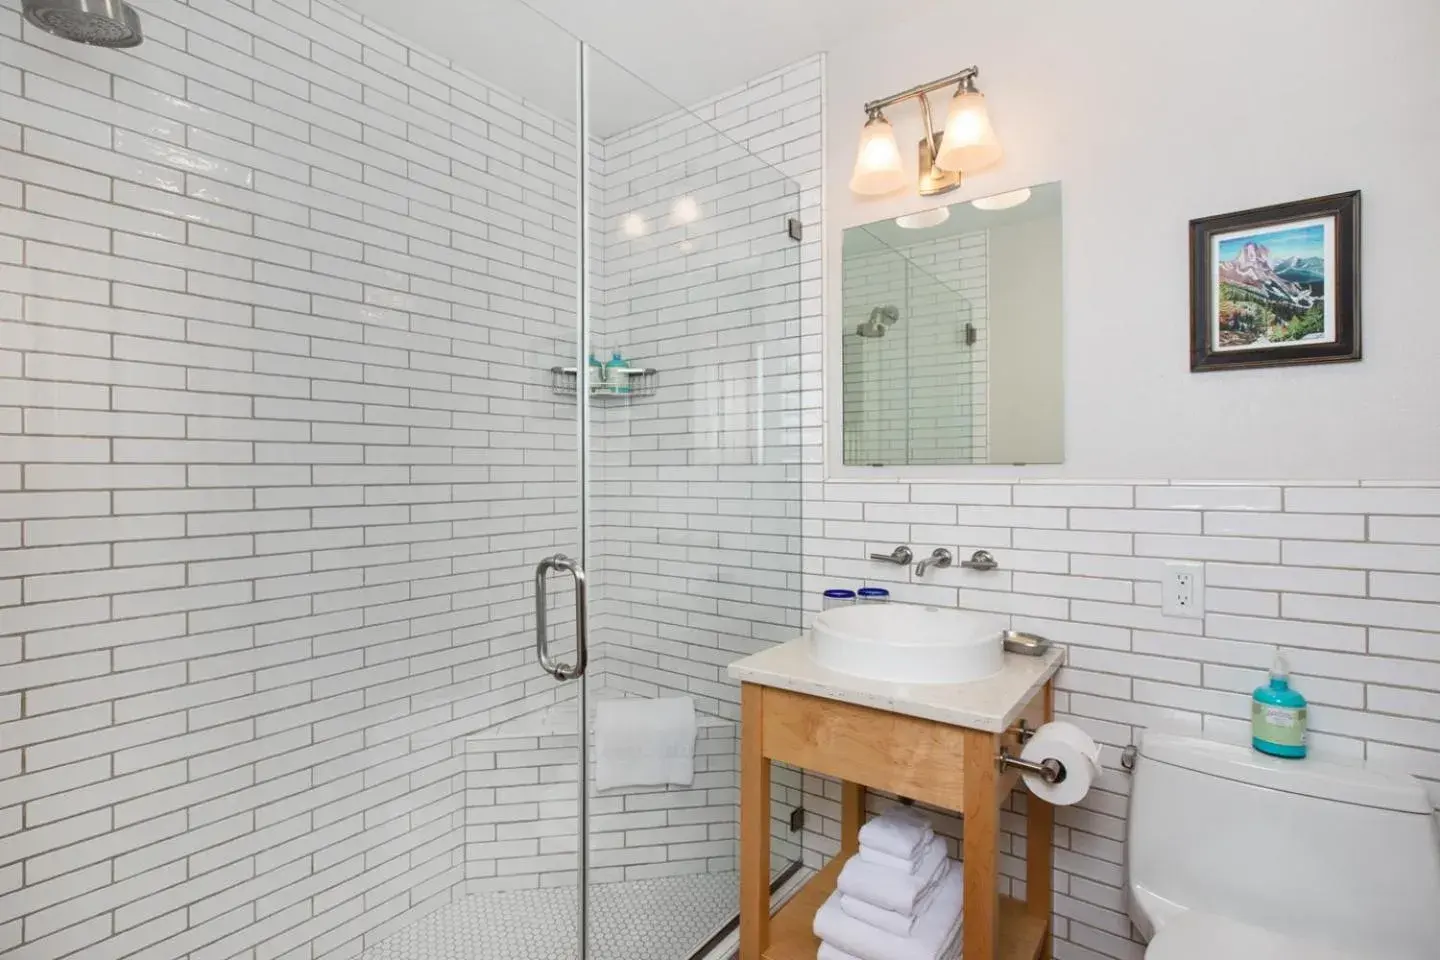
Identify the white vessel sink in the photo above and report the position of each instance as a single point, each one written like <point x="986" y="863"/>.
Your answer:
<point x="905" y="643"/>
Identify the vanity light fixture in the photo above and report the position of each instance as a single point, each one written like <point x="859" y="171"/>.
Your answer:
<point x="967" y="144"/>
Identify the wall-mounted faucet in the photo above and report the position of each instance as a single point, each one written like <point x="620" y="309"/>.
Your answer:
<point x="940" y="558"/>
<point x="900" y="556"/>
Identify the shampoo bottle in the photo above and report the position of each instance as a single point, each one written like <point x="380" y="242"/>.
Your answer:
<point x="1278" y="715"/>
<point x="616" y="378"/>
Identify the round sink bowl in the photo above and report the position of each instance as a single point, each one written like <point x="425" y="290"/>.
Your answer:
<point x="905" y="643"/>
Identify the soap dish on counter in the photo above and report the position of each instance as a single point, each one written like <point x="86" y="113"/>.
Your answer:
<point x="1026" y="644"/>
<point x="631" y="382"/>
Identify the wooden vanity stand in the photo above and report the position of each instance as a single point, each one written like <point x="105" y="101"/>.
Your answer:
<point x="815" y="723"/>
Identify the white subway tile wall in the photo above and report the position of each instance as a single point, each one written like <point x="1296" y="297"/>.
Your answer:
<point x="278" y="299"/>
<point x="918" y="394"/>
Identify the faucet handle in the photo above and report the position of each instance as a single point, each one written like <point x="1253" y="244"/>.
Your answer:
<point x="980" y="560"/>
<point x="900" y="556"/>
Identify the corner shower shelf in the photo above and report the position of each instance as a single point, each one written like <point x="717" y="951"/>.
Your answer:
<point x="633" y="382"/>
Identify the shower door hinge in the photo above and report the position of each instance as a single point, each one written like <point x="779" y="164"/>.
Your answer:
<point x="797" y="819"/>
<point x="795" y="228"/>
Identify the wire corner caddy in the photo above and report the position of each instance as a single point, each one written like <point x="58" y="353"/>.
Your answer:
<point x="620" y="382"/>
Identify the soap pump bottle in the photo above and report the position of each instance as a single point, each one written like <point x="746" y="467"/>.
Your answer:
<point x="1278" y="715"/>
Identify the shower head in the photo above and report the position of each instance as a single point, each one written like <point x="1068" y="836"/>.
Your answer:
<point x="881" y="319"/>
<point x="100" y="23"/>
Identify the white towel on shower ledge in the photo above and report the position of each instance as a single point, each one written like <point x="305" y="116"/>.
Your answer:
<point x="641" y="742"/>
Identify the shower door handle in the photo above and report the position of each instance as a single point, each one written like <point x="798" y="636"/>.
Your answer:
<point x="562" y="671"/>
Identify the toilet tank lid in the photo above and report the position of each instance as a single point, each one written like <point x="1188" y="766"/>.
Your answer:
<point x="1308" y="777"/>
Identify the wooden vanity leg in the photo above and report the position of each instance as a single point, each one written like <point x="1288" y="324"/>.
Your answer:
<point x="754" y="827"/>
<point x="852" y="817"/>
<point x="1039" y="849"/>
<point x="982" y="841"/>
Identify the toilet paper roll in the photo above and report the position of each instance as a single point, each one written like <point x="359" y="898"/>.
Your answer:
<point x="1073" y="748"/>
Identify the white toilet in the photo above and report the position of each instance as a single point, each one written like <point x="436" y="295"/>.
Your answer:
<point x="1233" y="854"/>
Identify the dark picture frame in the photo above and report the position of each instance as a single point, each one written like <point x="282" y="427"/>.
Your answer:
<point x="1276" y="285"/>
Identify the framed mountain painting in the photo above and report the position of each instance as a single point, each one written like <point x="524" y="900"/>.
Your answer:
<point x="1276" y="285"/>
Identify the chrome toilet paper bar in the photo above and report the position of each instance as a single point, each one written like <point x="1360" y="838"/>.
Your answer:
<point x="1050" y="770"/>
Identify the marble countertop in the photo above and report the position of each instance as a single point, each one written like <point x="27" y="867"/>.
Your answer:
<point x="991" y="704"/>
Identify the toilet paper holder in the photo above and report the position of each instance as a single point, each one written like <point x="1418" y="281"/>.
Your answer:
<point x="1050" y="770"/>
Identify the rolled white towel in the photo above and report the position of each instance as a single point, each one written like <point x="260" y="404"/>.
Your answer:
<point x="936" y="935"/>
<point x="891" y="921"/>
<point x="900" y="832"/>
<point x="893" y="889"/>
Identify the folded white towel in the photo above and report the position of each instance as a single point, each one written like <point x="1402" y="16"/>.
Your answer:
<point x="891" y="921"/>
<point x="900" y="831"/>
<point x="936" y="935"/>
<point x="644" y="742"/>
<point x="893" y="889"/>
<point x="889" y="861"/>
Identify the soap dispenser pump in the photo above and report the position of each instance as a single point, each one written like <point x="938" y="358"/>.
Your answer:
<point x="1278" y="715"/>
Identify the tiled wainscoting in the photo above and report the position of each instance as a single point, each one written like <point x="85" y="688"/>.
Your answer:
<point x="1344" y="578"/>
<point x="520" y="809"/>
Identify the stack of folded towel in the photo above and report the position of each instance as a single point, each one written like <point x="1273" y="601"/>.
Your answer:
<point x="899" y="898"/>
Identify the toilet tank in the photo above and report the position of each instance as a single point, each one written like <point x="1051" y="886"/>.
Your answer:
<point x="1321" y="851"/>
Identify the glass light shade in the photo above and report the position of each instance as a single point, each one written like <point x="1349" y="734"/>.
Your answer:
<point x="923" y="219"/>
<point x="1002" y="201"/>
<point x="877" y="164"/>
<point x="969" y="143"/>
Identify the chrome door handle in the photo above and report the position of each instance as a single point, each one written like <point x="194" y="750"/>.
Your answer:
<point x="562" y="671"/>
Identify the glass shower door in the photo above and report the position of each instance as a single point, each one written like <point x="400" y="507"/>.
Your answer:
<point x="689" y="462"/>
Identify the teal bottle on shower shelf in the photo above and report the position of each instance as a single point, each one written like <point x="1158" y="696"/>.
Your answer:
<point x="1278" y="715"/>
<point x="615" y="376"/>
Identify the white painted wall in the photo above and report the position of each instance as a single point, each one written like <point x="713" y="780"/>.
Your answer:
<point x="1154" y="114"/>
<point x="1027" y="358"/>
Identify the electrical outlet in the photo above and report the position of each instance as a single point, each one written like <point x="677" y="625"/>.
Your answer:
<point x="1183" y="590"/>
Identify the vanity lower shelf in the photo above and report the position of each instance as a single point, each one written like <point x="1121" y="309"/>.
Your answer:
<point x="1022" y="934"/>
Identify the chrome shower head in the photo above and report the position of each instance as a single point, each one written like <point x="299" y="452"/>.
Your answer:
<point x="100" y="23"/>
<point x="881" y="319"/>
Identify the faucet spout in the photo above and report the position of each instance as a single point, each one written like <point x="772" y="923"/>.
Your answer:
<point x="940" y="558"/>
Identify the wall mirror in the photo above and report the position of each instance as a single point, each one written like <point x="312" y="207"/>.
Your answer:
<point x="951" y="346"/>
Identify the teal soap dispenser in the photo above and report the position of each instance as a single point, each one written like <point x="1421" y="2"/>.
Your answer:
<point x="1278" y="715"/>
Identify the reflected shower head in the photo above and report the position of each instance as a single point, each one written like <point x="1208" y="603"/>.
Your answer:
<point x="881" y="319"/>
<point x="99" y="23"/>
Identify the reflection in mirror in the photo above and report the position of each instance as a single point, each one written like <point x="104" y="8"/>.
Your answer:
<point x="952" y="334"/>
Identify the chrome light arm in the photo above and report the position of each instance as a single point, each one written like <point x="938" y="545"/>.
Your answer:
<point x="562" y="671"/>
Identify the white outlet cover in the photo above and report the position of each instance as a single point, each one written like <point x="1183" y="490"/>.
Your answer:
<point x="1175" y="599"/>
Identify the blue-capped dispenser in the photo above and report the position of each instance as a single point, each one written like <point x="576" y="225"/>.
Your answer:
<point x="1278" y="715"/>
